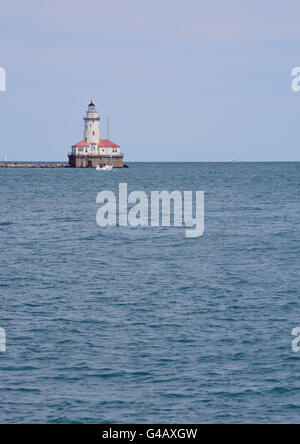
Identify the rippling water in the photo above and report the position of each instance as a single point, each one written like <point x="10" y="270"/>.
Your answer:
<point x="141" y="325"/>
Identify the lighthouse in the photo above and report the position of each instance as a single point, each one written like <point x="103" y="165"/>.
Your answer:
<point x="93" y="151"/>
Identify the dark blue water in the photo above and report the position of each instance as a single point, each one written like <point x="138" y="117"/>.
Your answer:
<point x="141" y="324"/>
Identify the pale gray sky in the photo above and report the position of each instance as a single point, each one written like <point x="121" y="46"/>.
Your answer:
<point x="184" y="81"/>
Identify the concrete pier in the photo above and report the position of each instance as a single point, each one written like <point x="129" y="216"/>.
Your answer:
<point x="33" y="165"/>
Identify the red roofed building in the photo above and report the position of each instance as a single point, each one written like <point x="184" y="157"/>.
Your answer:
<point x="82" y="144"/>
<point x="104" y="143"/>
<point x="92" y="150"/>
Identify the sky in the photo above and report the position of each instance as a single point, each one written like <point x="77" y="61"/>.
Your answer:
<point x="193" y="80"/>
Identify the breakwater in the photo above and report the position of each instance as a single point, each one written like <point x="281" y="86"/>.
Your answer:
<point x="33" y="165"/>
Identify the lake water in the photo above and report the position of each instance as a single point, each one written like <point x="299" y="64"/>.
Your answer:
<point x="141" y="325"/>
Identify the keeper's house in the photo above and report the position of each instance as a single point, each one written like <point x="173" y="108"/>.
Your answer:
<point x="93" y="151"/>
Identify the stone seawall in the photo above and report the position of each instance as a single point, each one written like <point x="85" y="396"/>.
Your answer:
<point x="34" y="165"/>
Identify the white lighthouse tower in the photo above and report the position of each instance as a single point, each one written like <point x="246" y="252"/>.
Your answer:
<point x="91" y="126"/>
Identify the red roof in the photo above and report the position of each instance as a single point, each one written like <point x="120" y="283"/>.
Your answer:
<point x="82" y="144"/>
<point x="104" y="143"/>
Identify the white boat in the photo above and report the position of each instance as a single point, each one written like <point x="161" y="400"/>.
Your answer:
<point x="233" y="159"/>
<point x="104" y="167"/>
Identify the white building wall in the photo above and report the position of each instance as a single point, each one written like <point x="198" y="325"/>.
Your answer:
<point x="109" y="151"/>
<point x="94" y="149"/>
